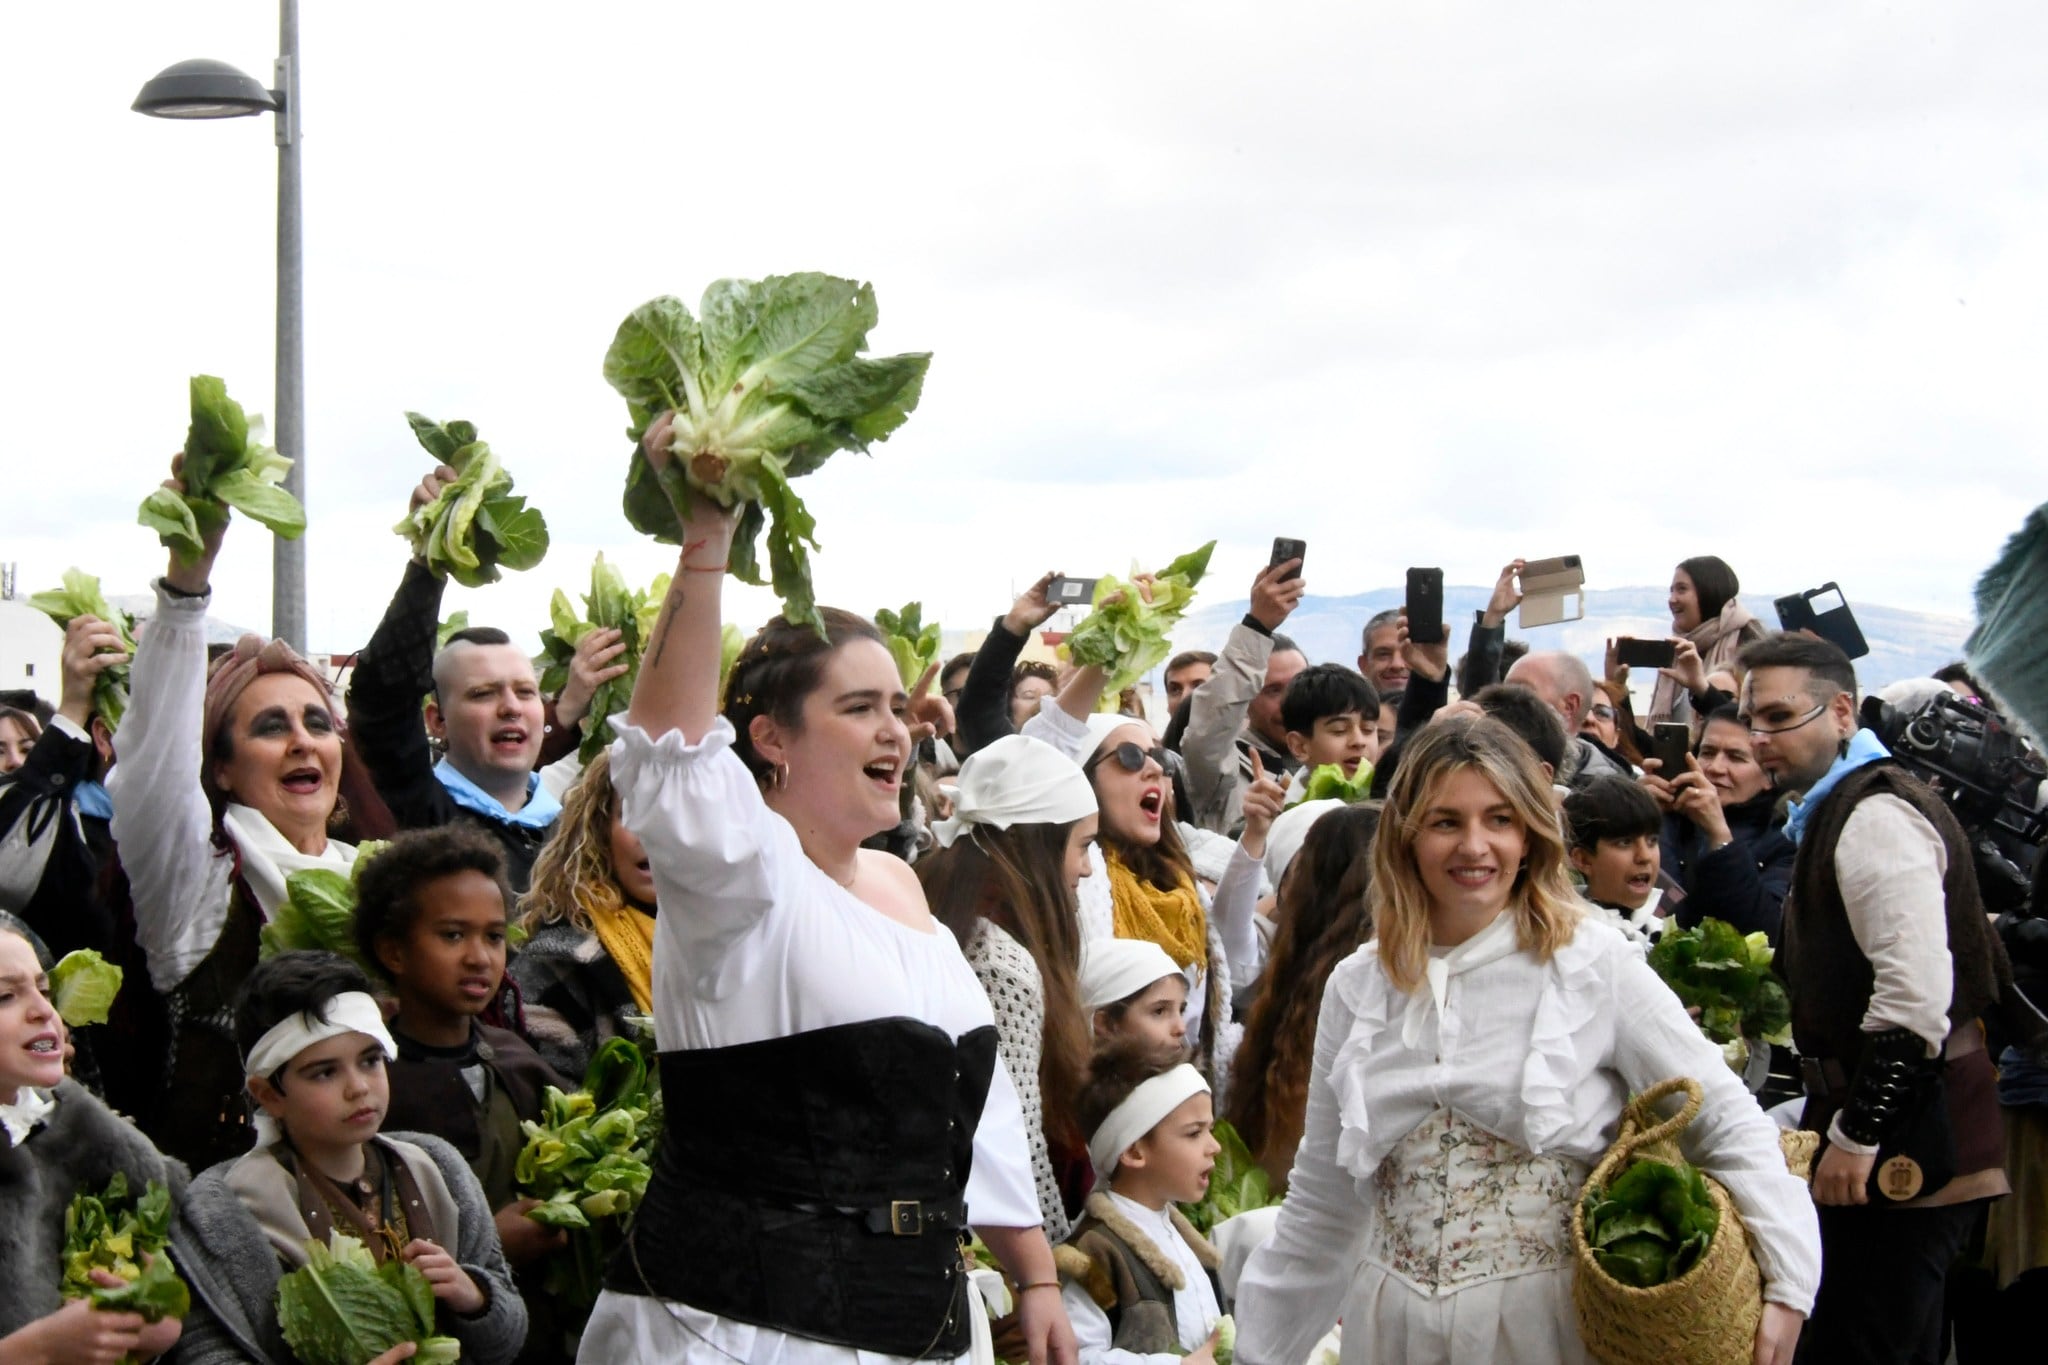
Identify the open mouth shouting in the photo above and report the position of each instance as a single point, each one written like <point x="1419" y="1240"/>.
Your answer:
<point x="509" y="740"/>
<point x="1639" y="883"/>
<point x="886" y="773"/>
<point x="303" y="781"/>
<point x="1151" y="803"/>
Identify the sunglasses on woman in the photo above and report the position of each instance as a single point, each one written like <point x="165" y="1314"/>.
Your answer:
<point x="1128" y="755"/>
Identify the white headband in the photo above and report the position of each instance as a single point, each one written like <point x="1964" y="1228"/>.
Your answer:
<point x="1016" y="781"/>
<point x="1142" y="1111"/>
<point x="349" y="1012"/>
<point x="1114" y="969"/>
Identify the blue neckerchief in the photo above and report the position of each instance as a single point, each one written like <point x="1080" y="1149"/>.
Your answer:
<point x="539" y="812"/>
<point x="92" y="799"/>
<point x="1864" y="747"/>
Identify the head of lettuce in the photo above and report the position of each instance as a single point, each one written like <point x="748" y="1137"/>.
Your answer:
<point x="766" y="382"/>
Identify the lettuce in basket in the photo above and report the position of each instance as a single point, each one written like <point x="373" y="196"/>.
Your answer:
<point x="1130" y="636"/>
<point x="226" y="465"/>
<point x="767" y="382"/>
<point x="1653" y="1224"/>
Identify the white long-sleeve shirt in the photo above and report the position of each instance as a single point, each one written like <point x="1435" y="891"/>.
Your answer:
<point x="1543" y="1054"/>
<point x="754" y="941"/>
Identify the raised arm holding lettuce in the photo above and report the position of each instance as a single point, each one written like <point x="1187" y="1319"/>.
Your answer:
<point x="482" y="698"/>
<point x="786" y="949"/>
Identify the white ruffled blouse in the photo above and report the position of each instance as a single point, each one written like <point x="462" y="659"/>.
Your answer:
<point x="1542" y="1054"/>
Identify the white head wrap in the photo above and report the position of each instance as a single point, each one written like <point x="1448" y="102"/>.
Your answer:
<point x="1290" y="832"/>
<point x="1016" y="781"/>
<point x="1909" y="695"/>
<point x="1142" y="1111"/>
<point x="349" y="1012"/>
<point x="1114" y="969"/>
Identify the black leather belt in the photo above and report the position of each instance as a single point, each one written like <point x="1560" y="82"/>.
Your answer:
<point x="1825" y="1078"/>
<point x="900" y="1217"/>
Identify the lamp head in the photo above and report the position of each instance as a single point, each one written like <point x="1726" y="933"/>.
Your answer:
<point x="203" y="88"/>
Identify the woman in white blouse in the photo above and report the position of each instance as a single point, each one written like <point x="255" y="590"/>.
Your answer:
<point x="229" y="780"/>
<point x="1471" y="1064"/>
<point x="838" y="1112"/>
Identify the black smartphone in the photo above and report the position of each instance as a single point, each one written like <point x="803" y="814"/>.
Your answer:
<point x="1825" y="612"/>
<point x="1425" y="606"/>
<point x="1645" y="653"/>
<point x="1070" y="592"/>
<point x="1669" y="744"/>
<point x="1285" y="549"/>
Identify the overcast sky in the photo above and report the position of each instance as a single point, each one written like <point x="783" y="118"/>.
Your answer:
<point x="1435" y="284"/>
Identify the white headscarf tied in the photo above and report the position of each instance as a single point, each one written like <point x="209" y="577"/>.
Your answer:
<point x="1016" y="781"/>
<point x="1142" y="1110"/>
<point x="1114" y="969"/>
<point x="349" y="1012"/>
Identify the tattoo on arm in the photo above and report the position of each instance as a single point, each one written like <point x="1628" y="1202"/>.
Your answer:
<point x="668" y="619"/>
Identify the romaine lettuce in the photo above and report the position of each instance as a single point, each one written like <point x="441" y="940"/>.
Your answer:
<point x="609" y="604"/>
<point x="81" y="596"/>
<point x="914" y="645"/>
<point x="116" y="1232"/>
<point x="342" y="1308"/>
<point x="226" y="465"/>
<point x="478" y="523"/>
<point x="1128" y="635"/>
<point x="766" y="383"/>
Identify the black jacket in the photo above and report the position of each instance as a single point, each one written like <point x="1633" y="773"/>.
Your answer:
<point x="392" y="678"/>
<point x="983" y="716"/>
<point x="1743" y="882"/>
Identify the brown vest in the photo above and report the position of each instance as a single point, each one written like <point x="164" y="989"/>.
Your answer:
<point x="1831" y="981"/>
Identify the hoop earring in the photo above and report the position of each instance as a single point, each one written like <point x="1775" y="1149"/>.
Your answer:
<point x="779" y="779"/>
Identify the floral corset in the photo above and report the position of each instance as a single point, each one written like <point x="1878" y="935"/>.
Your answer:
<point x="1454" y="1206"/>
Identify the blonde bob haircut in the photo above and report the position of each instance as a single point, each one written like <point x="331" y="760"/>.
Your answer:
<point x="1544" y="906"/>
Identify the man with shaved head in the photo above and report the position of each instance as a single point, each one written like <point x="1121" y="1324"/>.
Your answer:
<point x="1566" y="685"/>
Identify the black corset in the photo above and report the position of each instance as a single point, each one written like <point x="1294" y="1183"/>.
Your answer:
<point x="814" y="1184"/>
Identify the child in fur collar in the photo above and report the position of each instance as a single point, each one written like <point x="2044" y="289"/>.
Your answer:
<point x="1137" y="1279"/>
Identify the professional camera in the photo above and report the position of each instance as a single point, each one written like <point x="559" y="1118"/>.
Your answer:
<point x="1989" y="776"/>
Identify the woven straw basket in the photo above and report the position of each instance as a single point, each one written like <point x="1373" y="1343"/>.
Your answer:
<point x="1710" y="1315"/>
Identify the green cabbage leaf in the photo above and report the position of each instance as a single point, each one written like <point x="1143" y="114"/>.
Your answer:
<point x="82" y="987"/>
<point x="319" y="912"/>
<point x="226" y="465"/>
<point x="81" y="596"/>
<point x="1328" y="782"/>
<point x="342" y="1308"/>
<point x="477" y="524"/>
<point x="1237" y="1183"/>
<point x="767" y="381"/>
<point x="1653" y="1224"/>
<point x="1129" y="636"/>
<point x="1727" y="975"/>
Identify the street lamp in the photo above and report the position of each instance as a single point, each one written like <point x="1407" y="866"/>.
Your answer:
<point x="203" y="89"/>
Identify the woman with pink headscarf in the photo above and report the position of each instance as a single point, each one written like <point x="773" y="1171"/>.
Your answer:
<point x="226" y="784"/>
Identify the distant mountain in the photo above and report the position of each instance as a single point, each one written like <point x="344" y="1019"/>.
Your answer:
<point x="1903" y="644"/>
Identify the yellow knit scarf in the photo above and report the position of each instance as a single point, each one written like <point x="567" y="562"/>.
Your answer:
<point x="628" y="936"/>
<point x="1172" y="919"/>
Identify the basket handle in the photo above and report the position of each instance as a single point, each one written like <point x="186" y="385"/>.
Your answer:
<point x="1652" y="1128"/>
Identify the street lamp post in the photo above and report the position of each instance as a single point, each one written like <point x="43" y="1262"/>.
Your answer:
<point x="204" y="89"/>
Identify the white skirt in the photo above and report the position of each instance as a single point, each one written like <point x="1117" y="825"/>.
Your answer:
<point x="636" y="1327"/>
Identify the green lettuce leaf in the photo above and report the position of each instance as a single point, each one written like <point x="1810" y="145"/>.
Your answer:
<point x="342" y="1308"/>
<point x="227" y="464"/>
<point x="319" y="912"/>
<point x="1129" y="636"/>
<point x="610" y="604"/>
<point x="477" y="524"/>
<point x="157" y="1293"/>
<point x="83" y="986"/>
<point x="914" y="645"/>
<point x="1328" y="782"/>
<point x="1237" y="1183"/>
<point x="766" y="383"/>
<point x="1728" y="977"/>
<point x="81" y="596"/>
<point x="126" y="1237"/>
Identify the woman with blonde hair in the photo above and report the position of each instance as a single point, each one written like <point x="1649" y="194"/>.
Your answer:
<point x="1471" y="1064"/>
<point x="586" y="970"/>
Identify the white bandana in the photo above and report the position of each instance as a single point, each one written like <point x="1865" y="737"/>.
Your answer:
<point x="349" y="1012"/>
<point x="268" y="857"/>
<point x="1142" y="1110"/>
<point x="1114" y="969"/>
<point x="1016" y="781"/>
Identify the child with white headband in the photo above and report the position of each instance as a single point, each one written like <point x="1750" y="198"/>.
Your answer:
<point x="315" y="1048"/>
<point x="1138" y="1281"/>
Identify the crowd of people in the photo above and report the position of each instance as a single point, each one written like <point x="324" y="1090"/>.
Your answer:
<point x="990" y="953"/>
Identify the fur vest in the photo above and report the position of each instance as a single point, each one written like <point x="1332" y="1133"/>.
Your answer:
<point x="1130" y="1278"/>
<point x="78" y="1148"/>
